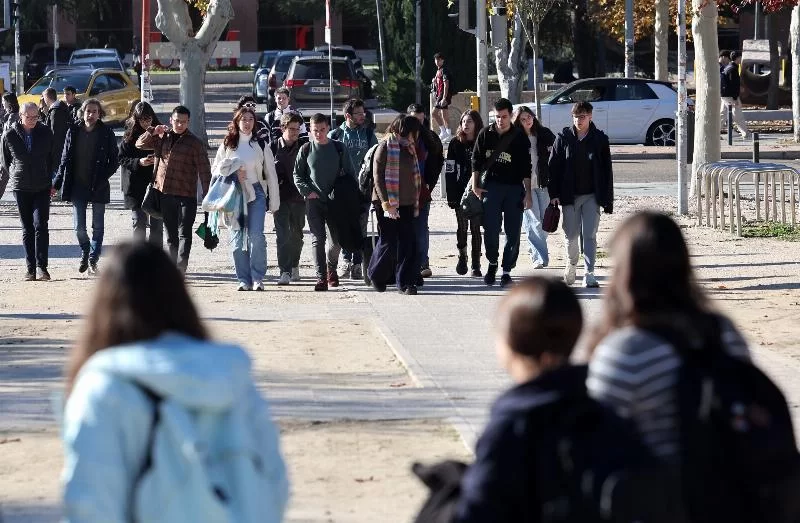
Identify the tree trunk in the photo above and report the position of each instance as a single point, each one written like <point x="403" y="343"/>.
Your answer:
<point x="661" y="37"/>
<point x="795" y="45"/>
<point x="536" y="79"/>
<point x="509" y="66"/>
<point x="194" y="51"/>
<point x="774" y="62"/>
<point x="707" y="104"/>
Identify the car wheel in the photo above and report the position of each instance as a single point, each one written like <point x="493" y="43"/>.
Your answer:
<point x="661" y="133"/>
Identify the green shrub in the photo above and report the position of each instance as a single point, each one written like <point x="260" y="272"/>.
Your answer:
<point x="399" y="90"/>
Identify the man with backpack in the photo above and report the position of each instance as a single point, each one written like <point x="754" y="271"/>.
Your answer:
<point x="318" y="164"/>
<point x="291" y="217"/>
<point x="358" y="138"/>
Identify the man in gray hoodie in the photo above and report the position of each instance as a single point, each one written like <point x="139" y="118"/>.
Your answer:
<point x="357" y="138"/>
<point x="318" y="164"/>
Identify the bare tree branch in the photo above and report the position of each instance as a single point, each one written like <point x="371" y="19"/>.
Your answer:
<point x="173" y="20"/>
<point x="220" y="12"/>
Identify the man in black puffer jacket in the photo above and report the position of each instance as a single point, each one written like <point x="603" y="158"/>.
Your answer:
<point x="27" y="156"/>
<point x="89" y="159"/>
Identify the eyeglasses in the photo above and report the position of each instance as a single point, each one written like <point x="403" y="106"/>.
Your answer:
<point x="580" y="117"/>
<point x="249" y="105"/>
<point x="358" y="113"/>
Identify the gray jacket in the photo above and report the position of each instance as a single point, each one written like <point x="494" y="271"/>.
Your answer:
<point x="28" y="171"/>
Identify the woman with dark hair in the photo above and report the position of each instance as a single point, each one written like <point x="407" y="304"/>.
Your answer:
<point x="143" y="356"/>
<point x="261" y="130"/>
<point x="458" y="173"/>
<point x="395" y="170"/>
<point x="244" y="154"/>
<point x="542" y="140"/>
<point x="137" y="168"/>
<point x="652" y="289"/>
<point x="11" y="107"/>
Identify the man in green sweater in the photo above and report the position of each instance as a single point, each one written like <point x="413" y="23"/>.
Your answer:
<point x="318" y="164"/>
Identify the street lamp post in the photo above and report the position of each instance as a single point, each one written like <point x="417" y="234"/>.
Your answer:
<point x="681" y="138"/>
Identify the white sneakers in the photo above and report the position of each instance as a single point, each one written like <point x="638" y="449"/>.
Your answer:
<point x="569" y="274"/>
<point x="589" y="279"/>
<point x="285" y="278"/>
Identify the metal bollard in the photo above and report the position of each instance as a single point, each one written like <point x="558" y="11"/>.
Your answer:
<point x="756" y="144"/>
<point x="730" y="125"/>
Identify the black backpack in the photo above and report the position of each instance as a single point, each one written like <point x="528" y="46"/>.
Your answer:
<point x="366" y="182"/>
<point x="590" y="465"/>
<point x="739" y="455"/>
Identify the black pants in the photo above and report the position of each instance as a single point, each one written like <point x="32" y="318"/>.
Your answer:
<point x="34" y="214"/>
<point x="179" y="214"/>
<point x="395" y="254"/>
<point x="474" y="225"/>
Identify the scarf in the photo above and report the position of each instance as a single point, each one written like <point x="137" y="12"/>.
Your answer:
<point x="392" y="174"/>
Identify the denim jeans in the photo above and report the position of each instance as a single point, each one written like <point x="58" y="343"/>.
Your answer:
<point x="532" y="224"/>
<point x="140" y="221"/>
<point x="251" y="260"/>
<point x="95" y="246"/>
<point x="289" y="222"/>
<point x="422" y="232"/>
<point x="582" y="215"/>
<point x="179" y="214"/>
<point x="34" y="214"/>
<point x="502" y="205"/>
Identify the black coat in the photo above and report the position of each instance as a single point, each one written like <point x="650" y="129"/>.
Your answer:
<point x="134" y="178"/>
<point x="459" y="177"/>
<point x="434" y="161"/>
<point x="345" y="208"/>
<point x="59" y="120"/>
<point x="104" y="166"/>
<point x="562" y="169"/>
<point x="544" y="140"/>
<point x="28" y="171"/>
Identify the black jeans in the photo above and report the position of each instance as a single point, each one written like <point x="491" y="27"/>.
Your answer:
<point x="179" y="214"/>
<point x="395" y="254"/>
<point x="474" y="225"/>
<point x="140" y="221"/>
<point x="34" y="214"/>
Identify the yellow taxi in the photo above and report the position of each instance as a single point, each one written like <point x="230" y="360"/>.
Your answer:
<point x="112" y="87"/>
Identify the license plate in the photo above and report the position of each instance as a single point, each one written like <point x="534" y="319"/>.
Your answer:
<point x="320" y="89"/>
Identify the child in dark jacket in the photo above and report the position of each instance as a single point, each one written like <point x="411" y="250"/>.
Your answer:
<point x="537" y="325"/>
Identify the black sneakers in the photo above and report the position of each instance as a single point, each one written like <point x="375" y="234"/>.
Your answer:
<point x="461" y="266"/>
<point x="84" y="265"/>
<point x="505" y="280"/>
<point x="491" y="274"/>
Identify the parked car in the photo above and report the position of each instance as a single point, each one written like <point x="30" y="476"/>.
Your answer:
<point x="309" y="80"/>
<point x="628" y="110"/>
<point x="278" y="72"/>
<point x="79" y="54"/>
<point x="112" y="87"/>
<point x="346" y="51"/>
<point x="41" y="59"/>
<point x="98" y="62"/>
<point x="261" y="75"/>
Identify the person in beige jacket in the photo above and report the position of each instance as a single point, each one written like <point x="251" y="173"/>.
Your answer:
<point x="395" y="170"/>
<point x="259" y="183"/>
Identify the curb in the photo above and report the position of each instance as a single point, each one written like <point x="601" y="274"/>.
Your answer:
<point x="730" y="155"/>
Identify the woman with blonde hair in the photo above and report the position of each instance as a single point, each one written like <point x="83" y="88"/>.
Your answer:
<point x="246" y="154"/>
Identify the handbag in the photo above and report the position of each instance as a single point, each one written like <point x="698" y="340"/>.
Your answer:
<point x="151" y="203"/>
<point x="471" y="205"/>
<point x="550" y="219"/>
<point x="224" y="195"/>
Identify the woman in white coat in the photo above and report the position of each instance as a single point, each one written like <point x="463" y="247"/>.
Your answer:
<point x="259" y="183"/>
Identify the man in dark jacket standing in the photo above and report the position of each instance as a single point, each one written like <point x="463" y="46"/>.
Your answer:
<point x="88" y="161"/>
<point x="730" y="85"/>
<point x="581" y="181"/>
<point x="507" y="191"/>
<point x="182" y="163"/>
<point x="58" y="119"/>
<point x="27" y="157"/>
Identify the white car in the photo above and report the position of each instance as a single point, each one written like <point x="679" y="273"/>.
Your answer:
<point x="628" y="110"/>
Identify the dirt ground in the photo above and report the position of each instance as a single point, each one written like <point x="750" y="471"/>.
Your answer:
<point x="342" y="469"/>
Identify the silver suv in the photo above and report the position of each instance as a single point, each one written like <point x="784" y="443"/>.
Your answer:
<point x="309" y="81"/>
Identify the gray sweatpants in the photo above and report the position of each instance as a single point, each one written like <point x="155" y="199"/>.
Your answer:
<point x="583" y="215"/>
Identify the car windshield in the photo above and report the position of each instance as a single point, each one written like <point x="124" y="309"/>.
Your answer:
<point x="283" y="62"/>
<point x="550" y="98"/>
<point x="94" y="54"/>
<point x="319" y="71"/>
<point x="97" y="63"/>
<point x="60" y="81"/>
<point x="266" y="60"/>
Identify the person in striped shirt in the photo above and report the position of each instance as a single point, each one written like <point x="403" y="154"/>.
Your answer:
<point x="652" y="287"/>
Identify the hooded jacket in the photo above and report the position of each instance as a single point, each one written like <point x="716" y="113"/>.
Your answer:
<point x="562" y="167"/>
<point x="356" y="140"/>
<point x="108" y="419"/>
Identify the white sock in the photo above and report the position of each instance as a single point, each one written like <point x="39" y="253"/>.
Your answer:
<point x="506" y="273"/>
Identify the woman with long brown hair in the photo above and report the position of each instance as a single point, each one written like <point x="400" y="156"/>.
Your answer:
<point x="458" y="174"/>
<point x="252" y="161"/>
<point x="137" y="172"/>
<point x="652" y="289"/>
<point x="542" y="140"/>
<point x="144" y="353"/>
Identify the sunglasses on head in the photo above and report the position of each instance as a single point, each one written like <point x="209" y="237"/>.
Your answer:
<point x="250" y="105"/>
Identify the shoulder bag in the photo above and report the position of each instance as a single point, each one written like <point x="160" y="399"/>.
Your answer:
<point x="151" y="204"/>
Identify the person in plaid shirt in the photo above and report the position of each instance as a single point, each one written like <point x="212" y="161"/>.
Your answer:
<point x="181" y="161"/>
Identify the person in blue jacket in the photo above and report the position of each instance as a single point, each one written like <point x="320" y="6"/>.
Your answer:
<point x="143" y="340"/>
